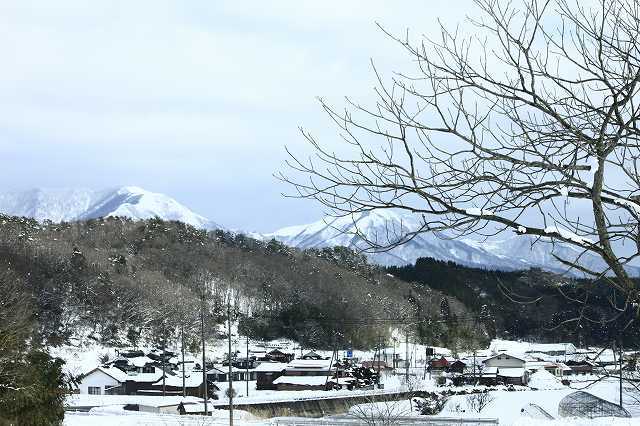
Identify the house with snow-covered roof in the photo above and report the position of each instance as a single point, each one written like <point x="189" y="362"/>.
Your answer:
<point x="173" y="385"/>
<point x="304" y="374"/>
<point x="581" y="367"/>
<point x="308" y="367"/>
<point x="277" y="355"/>
<point x="103" y="381"/>
<point x="139" y="364"/>
<point x="510" y="368"/>
<point x="552" y="349"/>
<point x="111" y="380"/>
<point x="312" y="355"/>
<point x="504" y="360"/>
<point x="513" y="376"/>
<point x="267" y="372"/>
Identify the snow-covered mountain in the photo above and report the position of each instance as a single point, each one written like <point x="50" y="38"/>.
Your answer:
<point x="381" y="226"/>
<point x="511" y="253"/>
<point x="80" y="204"/>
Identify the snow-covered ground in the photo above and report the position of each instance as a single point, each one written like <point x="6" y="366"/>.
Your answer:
<point x="115" y="415"/>
<point x="509" y="407"/>
<point x="506" y="406"/>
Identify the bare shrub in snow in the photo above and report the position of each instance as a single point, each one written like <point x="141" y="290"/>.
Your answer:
<point x="381" y="413"/>
<point x="479" y="401"/>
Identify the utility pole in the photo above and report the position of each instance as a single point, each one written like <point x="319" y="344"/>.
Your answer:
<point x="184" y="385"/>
<point x="426" y="355"/>
<point x="620" y="375"/>
<point x="164" y="361"/>
<point x="330" y="365"/>
<point x="379" y="353"/>
<point x="230" y="364"/>
<point x="474" y="366"/>
<point x="246" y="374"/>
<point x="406" y="349"/>
<point x="204" y="365"/>
<point x="394" y="356"/>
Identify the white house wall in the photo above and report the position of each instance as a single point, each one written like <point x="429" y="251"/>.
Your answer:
<point x="97" y="379"/>
<point x="504" y="361"/>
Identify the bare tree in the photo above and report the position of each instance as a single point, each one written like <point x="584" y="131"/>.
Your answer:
<point x="385" y="412"/>
<point x="528" y="125"/>
<point x="479" y="401"/>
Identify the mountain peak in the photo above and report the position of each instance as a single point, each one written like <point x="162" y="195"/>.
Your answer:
<point x="385" y="226"/>
<point x="80" y="204"/>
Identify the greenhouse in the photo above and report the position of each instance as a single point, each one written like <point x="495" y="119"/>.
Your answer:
<point x="583" y="404"/>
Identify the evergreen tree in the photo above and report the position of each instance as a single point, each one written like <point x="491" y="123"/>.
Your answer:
<point x="31" y="382"/>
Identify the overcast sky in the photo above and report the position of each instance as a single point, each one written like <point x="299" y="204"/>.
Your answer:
<point x="195" y="99"/>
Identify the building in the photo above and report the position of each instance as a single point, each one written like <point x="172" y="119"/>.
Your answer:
<point x="113" y="381"/>
<point x="580" y="367"/>
<point x="299" y="383"/>
<point x="277" y="355"/>
<point x="487" y="376"/>
<point x="102" y="381"/>
<point x="555" y="368"/>
<point x="504" y="360"/>
<point x="267" y="372"/>
<point x="457" y="366"/>
<point x="512" y="376"/>
<point x="304" y="374"/>
<point x="553" y="349"/>
<point x="440" y="365"/>
<point x="308" y="367"/>
<point x="312" y="355"/>
<point x="510" y="368"/>
<point x="173" y="385"/>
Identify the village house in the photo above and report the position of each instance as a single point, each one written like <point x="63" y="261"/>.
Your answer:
<point x="510" y="369"/>
<point x="220" y="373"/>
<point x="267" y="372"/>
<point x="553" y="349"/>
<point x="304" y="374"/>
<point x="311" y="355"/>
<point x="580" y="367"/>
<point x="504" y="360"/>
<point x="113" y="381"/>
<point x="308" y="367"/>
<point x="300" y="383"/>
<point x="277" y="355"/>
<point x="440" y="365"/>
<point x="457" y="366"/>
<point x="173" y="385"/>
<point x="102" y="381"/>
<point x="558" y="369"/>
<point x="487" y="376"/>
<point x="513" y="376"/>
<point x="244" y="363"/>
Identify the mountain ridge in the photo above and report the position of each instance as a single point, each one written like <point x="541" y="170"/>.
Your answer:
<point x="513" y="253"/>
<point x="379" y="227"/>
<point x="58" y="205"/>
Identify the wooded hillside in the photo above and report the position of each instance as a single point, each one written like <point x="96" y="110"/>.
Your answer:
<point x="533" y="304"/>
<point x="120" y="281"/>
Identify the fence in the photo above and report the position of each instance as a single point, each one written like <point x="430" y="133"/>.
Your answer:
<point x="418" y="420"/>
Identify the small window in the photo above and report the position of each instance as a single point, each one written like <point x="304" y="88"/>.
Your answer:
<point x="94" y="390"/>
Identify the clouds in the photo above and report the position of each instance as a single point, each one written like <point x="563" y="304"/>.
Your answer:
<point x="195" y="99"/>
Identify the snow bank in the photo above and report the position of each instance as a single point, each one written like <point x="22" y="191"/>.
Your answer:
<point x="572" y="421"/>
<point x="543" y="380"/>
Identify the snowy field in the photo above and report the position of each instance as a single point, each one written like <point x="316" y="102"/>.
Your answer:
<point x="116" y="416"/>
<point x="507" y="406"/>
